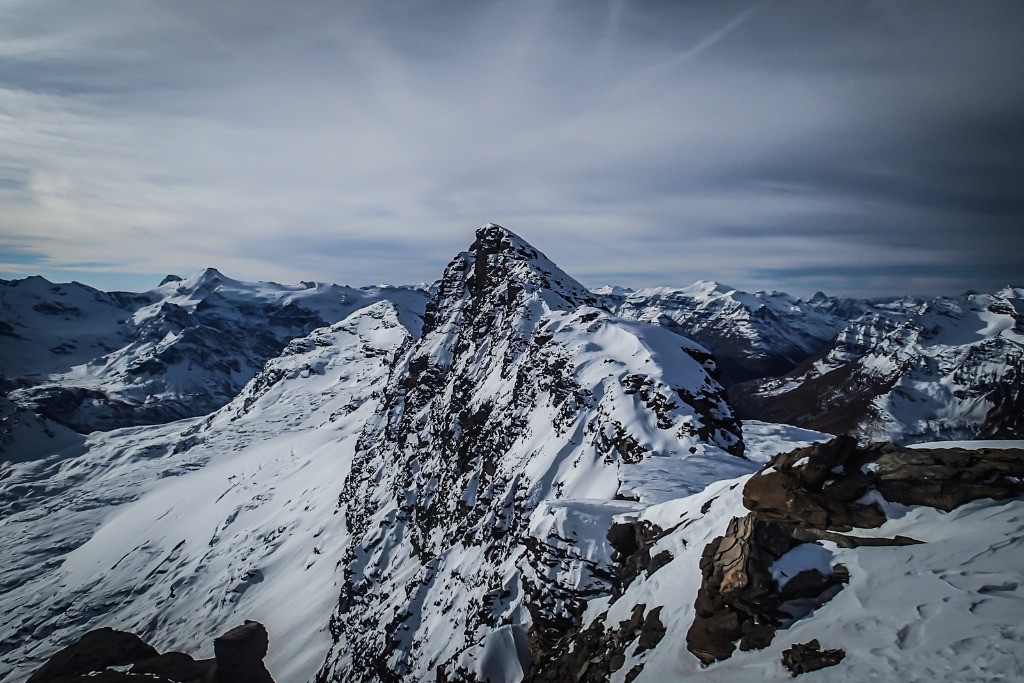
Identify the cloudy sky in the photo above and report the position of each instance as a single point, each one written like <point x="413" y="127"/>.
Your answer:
<point x="856" y="147"/>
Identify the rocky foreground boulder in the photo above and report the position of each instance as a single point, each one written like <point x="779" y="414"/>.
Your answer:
<point x="820" y="493"/>
<point x="109" y="656"/>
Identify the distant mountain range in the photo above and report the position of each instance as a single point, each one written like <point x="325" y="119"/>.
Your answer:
<point x="507" y="476"/>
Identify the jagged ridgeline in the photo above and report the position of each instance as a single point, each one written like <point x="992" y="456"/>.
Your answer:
<point x="509" y="434"/>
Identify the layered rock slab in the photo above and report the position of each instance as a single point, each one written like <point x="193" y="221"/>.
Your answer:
<point x="818" y="493"/>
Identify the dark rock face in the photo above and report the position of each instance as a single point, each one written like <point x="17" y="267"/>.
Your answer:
<point x="819" y="486"/>
<point x="93" y="658"/>
<point x="95" y="651"/>
<point x="804" y="657"/>
<point x="633" y="542"/>
<point x="948" y="478"/>
<point x="239" y="654"/>
<point x="813" y="494"/>
<point x="815" y="487"/>
<point x="594" y="653"/>
<point x="599" y="650"/>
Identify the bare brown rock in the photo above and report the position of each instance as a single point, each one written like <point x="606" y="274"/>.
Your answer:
<point x="948" y="478"/>
<point x="738" y="599"/>
<point x="804" y="657"/>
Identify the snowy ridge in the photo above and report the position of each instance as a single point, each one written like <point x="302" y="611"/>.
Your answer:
<point x="91" y="360"/>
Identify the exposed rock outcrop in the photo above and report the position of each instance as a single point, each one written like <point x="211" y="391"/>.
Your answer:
<point x="804" y="657"/>
<point x="813" y="494"/>
<point x="96" y="651"/>
<point x="600" y="650"/>
<point x="239" y="654"/>
<point x="739" y="598"/>
<point x="108" y="656"/>
<point x="632" y="542"/>
<point x="823" y="486"/>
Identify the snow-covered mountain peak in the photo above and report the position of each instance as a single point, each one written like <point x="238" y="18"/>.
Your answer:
<point x="1011" y="292"/>
<point x="613" y="290"/>
<point x="501" y="283"/>
<point x="521" y="405"/>
<point x="708" y="287"/>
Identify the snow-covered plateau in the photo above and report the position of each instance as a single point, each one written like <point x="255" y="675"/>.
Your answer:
<point x="508" y="477"/>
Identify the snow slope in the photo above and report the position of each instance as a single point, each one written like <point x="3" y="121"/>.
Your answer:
<point x="948" y="609"/>
<point x="752" y="335"/>
<point x="177" y="532"/>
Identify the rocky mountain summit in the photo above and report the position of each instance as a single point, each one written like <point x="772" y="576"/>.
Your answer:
<point x="523" y="411"/>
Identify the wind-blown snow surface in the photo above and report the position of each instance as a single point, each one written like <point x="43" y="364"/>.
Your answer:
<point x="946" y="610"/>
<point x="179" y="531"/>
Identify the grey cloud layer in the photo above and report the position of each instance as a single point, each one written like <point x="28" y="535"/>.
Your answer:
<point x="787" y="144"/>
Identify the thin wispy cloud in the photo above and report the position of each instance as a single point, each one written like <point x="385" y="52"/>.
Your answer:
<point x="659" y="71"/>
<point x="363" y="142"/>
